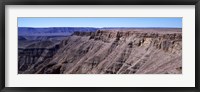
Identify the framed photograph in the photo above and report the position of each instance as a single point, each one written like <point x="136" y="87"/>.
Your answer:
<point x="56" y="45"/>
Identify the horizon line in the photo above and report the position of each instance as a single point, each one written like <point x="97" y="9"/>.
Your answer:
<point x="99" y="27"/>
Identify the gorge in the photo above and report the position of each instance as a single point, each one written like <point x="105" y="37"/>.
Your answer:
<point x="102" y="51"/>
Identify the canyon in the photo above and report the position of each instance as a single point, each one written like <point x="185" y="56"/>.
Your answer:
<point x="102" y="51"/>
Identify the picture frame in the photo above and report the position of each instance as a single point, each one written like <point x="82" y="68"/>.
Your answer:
<point x="99" y="2"/>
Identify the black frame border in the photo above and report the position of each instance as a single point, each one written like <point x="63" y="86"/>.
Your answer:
<point x="3" y="3"/>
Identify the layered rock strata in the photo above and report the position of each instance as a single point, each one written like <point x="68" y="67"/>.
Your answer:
<point x="108" y="52"/>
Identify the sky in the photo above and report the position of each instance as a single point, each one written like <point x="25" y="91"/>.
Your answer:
<point x="100" y="22"/>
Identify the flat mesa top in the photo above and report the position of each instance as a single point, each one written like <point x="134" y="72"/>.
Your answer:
<point x="147" y="30"/>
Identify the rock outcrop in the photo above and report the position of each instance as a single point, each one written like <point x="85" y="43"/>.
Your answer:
<point x="108" y="52"/>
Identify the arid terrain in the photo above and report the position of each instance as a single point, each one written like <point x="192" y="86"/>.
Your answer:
<point x="102" y="51"/>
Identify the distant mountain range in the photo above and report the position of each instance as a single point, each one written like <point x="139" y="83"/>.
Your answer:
<point x="52" y="31"/>
<point x="64" y="31"/>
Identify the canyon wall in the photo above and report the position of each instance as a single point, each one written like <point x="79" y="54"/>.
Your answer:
<point x="107" y="52"/>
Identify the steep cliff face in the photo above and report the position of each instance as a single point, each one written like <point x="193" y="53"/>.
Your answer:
<point x="112" y="52"/>
<point x="35" y="54"/>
